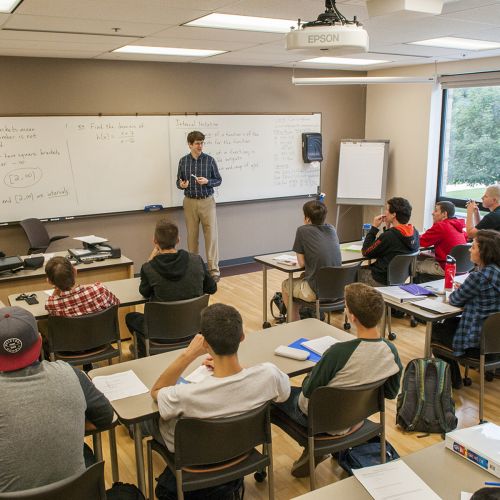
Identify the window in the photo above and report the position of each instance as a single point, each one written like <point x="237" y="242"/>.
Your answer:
<point x="470" y="142"/>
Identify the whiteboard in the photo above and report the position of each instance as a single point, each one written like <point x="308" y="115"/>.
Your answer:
<point x="67" y="166"/>
<point x="362" y="174"/>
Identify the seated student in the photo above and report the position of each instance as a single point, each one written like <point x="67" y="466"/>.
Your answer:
<point x="230" y="390"/>
<point x="44" y="411"/>
<point x="71" y="300"/>
<point x="169" y="275"/>
<point x="479" y="295"/>
<point x="446" y="232"/>
<point x="316" y="245"/>
<point x="348" y="364"/>
<point x="491" y="201"/>
<point x="398" y="238"/>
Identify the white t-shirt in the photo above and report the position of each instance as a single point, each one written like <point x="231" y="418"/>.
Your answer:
<point x="221" y="397"/>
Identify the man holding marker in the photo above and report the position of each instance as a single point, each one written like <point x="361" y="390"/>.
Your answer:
<point x="197" y="176"/>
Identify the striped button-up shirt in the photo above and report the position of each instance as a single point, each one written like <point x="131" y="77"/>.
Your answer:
<point x="479" y="295"/>
<point x="203" y="166"/>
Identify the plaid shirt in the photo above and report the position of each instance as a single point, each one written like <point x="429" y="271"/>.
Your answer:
<point x="479" y="295"/>
<point x="203" y="166"/>
<point x="80" y="300"/>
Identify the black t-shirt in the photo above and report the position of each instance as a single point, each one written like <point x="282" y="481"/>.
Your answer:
<point x="490" y="220"/>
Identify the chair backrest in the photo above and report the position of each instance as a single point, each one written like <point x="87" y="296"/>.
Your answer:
<point x="331" y="281"/>
<point x="401" y="268"/>
<point x="211" y="441"/>
<point x="82" y="486"/>
<point x="82" y="333"/>
<point x="490" y="337"/>
<point x="461" y="253"/>
<point x="37" y="235"/>
<point x="335" y="408"/>
<point x="176" y="320"/>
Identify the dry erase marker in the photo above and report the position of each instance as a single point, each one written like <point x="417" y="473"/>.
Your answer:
<point x="491" y="483"/>
<point x="195" y="178"/>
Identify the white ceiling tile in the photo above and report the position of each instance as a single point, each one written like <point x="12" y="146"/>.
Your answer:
<point x="37" y="52"/>
<point x="458" y="5"/>
<point x="489" y="14"/>
<point x="76" y="25"/>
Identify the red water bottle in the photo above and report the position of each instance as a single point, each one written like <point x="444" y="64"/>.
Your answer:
<point x="450" y="270"/>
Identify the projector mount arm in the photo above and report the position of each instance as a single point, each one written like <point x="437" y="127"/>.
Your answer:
<point x="331" y="17"/>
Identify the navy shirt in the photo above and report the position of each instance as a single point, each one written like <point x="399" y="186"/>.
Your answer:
<point x="490" y="220"/>
<point x="203" y="166"/>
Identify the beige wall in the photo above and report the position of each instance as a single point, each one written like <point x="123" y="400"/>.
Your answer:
<point x="33" y="86"/>
<point x="409" y="116"/>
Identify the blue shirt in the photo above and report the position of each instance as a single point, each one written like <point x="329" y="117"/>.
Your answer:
<point x="479" y="295"/>
<point x="203" y="166"/>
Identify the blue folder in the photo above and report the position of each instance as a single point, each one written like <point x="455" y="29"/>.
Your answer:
<point x="312" y="355"/>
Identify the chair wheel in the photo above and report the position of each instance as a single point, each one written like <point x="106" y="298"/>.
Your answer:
<point x="347" y="326"/>
<point x="391" y="336"/>
<point x="260" y="476"/>
<point x="489" y="376"/>
<point x="266" y="324"/>
<point x="413" y="322"/>
<point x="467" y="381"/>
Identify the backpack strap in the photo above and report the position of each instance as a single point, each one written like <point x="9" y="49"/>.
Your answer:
<point x="420" y="369"/>
<point x="442" y="370"/>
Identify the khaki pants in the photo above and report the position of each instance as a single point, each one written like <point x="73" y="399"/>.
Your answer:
<point x="202" y="211"/>
<point x="429" y="266"/>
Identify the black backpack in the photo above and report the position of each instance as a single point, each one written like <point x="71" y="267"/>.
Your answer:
<point x="124" y="491"/>
<point x="277" y="302"/>
<point x="425" y="403"/>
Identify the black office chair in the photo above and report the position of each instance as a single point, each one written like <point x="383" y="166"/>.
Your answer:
<point x="210" y="452"/>
<point x="97" y="446"/>
<point x="38" y="237"/>
<point x="461" y="254"/>
<point x="399" y="270"/>
<point x="333" y="408"/>
<point x="171" y="325"/>
<point x="85" y="339"/>
<point x="489" y="357"/>
<point x="82" y="486"/>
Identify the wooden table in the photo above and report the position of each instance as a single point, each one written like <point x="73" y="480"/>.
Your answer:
<point x="127" y="291"/>
<point x="24" y="280"/>
<point x="256" y="348"/>
<point x="443" y="470"/>
<point x="413" y="310"/>
<point x="268" y="261"/>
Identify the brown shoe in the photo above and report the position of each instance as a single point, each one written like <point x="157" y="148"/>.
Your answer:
<point x="300" y="467"/>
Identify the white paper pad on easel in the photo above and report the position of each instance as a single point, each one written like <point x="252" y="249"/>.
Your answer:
<point x="120" y="385"/>
<point x="320" y="345"/>
<point x="393" y="480"/>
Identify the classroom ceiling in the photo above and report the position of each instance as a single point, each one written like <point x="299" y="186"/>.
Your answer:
<point x="92" y="29"/>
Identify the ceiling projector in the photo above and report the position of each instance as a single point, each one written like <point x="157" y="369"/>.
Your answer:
<point x="331" y="31"/>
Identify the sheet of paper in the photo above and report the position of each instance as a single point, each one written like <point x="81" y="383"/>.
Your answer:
<point x="437" y="306"/>
<point x="393" y="480"/>
<point x="286" y="259"/>
<point x="201" y="373"/>
<point x="464" y="495"/>
<point x="354" y="248"/>
<point x="49" y="292"/>
<point x="320" y="345"/>
<point x="91" y="239"/>
<point x="120" y="385"/>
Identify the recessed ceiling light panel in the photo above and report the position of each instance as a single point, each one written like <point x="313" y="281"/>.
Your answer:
<point x="243" y="23"/>
<point x="167" y="51"/>
<point x="452" y="42"/>
<point x="343" y="60"/>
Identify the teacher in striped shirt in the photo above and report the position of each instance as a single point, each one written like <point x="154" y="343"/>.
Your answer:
<point x="197" y="175"/>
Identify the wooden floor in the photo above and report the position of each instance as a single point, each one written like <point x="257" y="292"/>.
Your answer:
<point x="245" y="293"/>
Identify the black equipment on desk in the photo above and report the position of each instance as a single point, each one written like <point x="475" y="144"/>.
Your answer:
<point x="11" y="264"/>
<point x="34" y="262"/>
<point x="103" y="248"/>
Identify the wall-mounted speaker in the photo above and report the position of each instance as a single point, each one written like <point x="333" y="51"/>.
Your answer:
<point x="312" y="147"/>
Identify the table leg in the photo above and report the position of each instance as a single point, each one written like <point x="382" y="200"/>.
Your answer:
<point x="290" y="298"/>
<point x="428" y="334"/>
<point x="139" y="458"/>
<point x="264" y="294"/>
<point x="384" y="321"/>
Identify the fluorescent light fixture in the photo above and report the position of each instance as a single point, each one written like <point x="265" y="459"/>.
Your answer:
<point x="343" y="60"/>
<point x="362" y="80"/>
<point x="167" y="51"/>
<point x="7" y="6"/>
<point x="452" y="42"/>
<point x="243" y="23"/>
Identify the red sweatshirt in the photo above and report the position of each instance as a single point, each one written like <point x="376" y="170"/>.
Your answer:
<point x="444" y="235"/>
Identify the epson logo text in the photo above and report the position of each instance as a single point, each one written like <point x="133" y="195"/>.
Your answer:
<point x="323" y="38"/>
